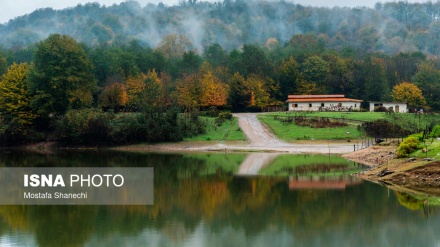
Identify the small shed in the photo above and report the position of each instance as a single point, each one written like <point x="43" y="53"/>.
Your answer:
<point x="327" y="102"/>
<point x="398" y="107"/>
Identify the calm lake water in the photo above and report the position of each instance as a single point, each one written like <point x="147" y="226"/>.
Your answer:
<point x="296" y="200"/>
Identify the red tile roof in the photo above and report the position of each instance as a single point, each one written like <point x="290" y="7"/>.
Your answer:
<point x="320" y="98"/>
<point x="316" y="96"/>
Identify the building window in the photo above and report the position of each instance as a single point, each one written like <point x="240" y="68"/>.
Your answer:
<point x="322" y="104"/>
<point x="296" y="105"/>
<point x="339" y="104"/>
<point x="310" y="105"/>
<point x="355" y="105"/>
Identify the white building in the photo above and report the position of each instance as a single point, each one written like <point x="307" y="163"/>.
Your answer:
<point x="332" y="102"/>
<point x="397" y="107"/>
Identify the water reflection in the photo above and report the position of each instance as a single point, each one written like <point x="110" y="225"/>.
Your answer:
<point x="198" y="202"/>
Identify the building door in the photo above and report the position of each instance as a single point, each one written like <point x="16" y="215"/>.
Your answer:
<point x="396" y="109"/>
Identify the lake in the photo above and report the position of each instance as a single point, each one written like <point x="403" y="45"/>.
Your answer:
<point x="227" y="200"/>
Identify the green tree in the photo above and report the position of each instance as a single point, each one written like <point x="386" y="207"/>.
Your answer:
<point x="376" y="87"/>
<point x="288" y="73"/>
<point x="428" y="80"/>
<point x="15" y="97"/>
<point x="62" y="77"/>
<point x="216" y="55"/>
<point x="3" y="65"/>
<point x="239" y="93"/>
<point x="315" y="70"/>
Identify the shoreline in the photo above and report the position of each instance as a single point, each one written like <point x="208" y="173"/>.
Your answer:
<point x="407" y="175"/>
<point x="417" y="176"/>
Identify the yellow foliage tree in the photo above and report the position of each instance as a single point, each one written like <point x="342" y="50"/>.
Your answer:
<point x="153" y="85"/>
<point x="135" y="85"/>
<point x="189" y="92"/>
<point x="259" y="89"/>
<point x="14" y="95"/>
<point x="409" y="93"/>
<point x="214" y="93"/>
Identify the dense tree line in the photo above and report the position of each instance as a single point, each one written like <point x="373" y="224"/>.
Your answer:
<point x="45" y="81"/>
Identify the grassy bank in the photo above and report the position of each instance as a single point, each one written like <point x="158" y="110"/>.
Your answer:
<point x="292" y="132"/>
<point x="227" y="131"/>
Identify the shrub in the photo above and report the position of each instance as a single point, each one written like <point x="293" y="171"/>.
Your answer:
<point x="409" y="145"/>
<point x="189" y="124"/>
<point x="84" y="126"/>
<point x="380" y="109"/>
<point x="222" y="117"/>
<point x="435" y="131"/>
<point x="384" y="129"/>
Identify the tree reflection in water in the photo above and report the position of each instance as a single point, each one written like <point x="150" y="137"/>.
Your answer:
<point x="197" y="197"/>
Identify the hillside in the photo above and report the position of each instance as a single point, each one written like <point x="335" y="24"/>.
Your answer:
<point x="390" y="27"/>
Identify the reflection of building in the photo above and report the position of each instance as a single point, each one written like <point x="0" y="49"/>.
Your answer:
<point x="330" y="102"/>
<point x="323" y="183"/>
<point x="397" y="107"/>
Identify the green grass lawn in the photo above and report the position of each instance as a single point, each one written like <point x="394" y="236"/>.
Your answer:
<point x="433" y="150"/>
<point x="291" y="132"/>
<point x="228" y="131"/>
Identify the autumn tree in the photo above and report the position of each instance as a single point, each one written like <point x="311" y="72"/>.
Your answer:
<point x="174" y="46"/>
<point x="135" y="86"/>
<point x="62" y="77"/>
<point x="260" y="88"/>
<point x="214" y="92"/>
<point x="409" y="93"/>
<point x="151" y="93"/>
<point x="15" y="96"/>
<point x="113" y="96"/>
<point x="189" y="91"/>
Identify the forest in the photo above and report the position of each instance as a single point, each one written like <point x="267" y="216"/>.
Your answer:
<point x="126" y="73"/>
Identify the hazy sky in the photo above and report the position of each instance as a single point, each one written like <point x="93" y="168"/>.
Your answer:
<point x="12" y="8"/>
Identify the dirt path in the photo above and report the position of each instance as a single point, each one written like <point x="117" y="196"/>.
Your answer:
<point x="259" y="139"/>
<point x="256" y="133"/>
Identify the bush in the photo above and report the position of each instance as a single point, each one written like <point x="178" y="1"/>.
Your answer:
<point x="409" y="145"/>
<point x="435" y="131"/>
<point x="84" y="126"/>
<point x="380" y="109"/>
<point x="190" y="124"/>
<point x="222" y="117"/>
<point x="384" y="129"/>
